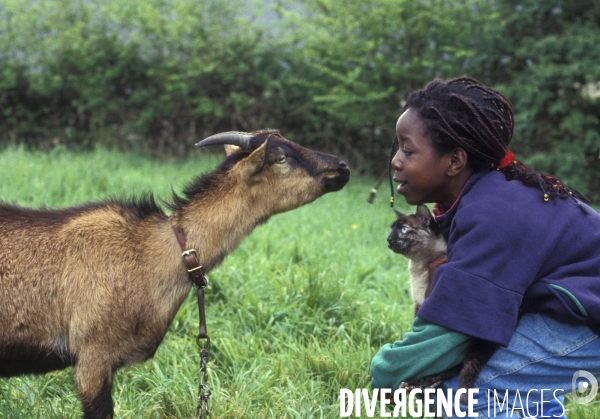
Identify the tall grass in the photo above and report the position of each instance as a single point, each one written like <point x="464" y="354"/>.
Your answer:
<point x="295" y="313"/>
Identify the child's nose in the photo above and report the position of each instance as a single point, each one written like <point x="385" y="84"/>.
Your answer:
<point x="397" y="161"/>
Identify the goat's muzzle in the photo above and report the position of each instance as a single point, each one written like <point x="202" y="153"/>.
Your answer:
<point x="335" y="179"/>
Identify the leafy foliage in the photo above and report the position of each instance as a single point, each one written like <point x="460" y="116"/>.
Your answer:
<point x="143" y="74"/>
<point x="161" y="74"/>
<point x="555" y="85"/>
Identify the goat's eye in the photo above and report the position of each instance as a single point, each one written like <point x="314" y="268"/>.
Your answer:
<point x="281" y="159"/>
<point x="404" y="230"/>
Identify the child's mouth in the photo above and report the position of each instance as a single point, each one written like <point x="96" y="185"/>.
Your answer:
<point x="401" y="186"/>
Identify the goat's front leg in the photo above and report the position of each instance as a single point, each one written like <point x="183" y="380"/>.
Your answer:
<point x="94" y="378"/>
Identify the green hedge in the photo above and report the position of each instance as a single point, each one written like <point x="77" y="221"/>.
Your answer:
<point x="158" y="75"/>
<point x="152" y="75"/>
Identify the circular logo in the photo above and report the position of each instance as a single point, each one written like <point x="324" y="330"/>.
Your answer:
<point x="582" y="382"/>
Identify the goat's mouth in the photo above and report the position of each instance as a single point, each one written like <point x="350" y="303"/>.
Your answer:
<point x="334" y="181"/>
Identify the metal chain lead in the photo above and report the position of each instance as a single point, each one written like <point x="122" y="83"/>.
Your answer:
<point x="196" y="274"/>
<point x="202" y="409"/>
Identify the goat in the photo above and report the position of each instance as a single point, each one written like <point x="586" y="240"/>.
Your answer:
<point x="97" y="286"/>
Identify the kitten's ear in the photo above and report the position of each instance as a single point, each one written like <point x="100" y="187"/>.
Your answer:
<point x="423" y="214"/>
<point x="398" y="213"/>
<point x="434" y="227"/>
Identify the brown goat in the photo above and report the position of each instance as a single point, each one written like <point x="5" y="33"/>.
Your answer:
<point x="97" y="286"/>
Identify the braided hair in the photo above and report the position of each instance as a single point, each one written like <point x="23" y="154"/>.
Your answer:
<point x="464" y="113"/>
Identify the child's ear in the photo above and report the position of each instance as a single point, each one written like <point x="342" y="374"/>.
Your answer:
<point x="458" y="161"/>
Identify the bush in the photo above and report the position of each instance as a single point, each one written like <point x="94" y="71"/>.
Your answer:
<point x="159" y="75"/>
<point x="151" y="75"/>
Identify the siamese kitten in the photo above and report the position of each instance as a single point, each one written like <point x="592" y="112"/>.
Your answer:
<point x="418" y="238"/>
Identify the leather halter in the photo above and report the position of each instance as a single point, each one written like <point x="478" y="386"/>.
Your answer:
<point x="196" y="274"/>
<point x="190" y="260"/>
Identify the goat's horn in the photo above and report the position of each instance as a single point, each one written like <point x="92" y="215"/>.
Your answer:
<point x="240" y="139"/>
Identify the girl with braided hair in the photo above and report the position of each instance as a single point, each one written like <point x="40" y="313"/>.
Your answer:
<point x="523" y="261"/>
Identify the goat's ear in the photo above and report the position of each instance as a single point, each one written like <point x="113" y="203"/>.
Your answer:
<point x="254" y="163"/>
<point x="423" y="214"/>
<point x="230" y="149"/>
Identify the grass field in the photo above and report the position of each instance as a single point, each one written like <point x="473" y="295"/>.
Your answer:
<point x="295" y="313"/>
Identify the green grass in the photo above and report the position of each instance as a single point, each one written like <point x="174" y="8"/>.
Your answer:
<point x="295" y="313"/>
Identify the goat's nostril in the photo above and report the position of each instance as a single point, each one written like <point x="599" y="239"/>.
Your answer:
<point x="342" y="164"/>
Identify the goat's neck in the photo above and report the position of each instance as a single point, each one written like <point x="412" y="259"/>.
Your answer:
<point x="215" y="227"/>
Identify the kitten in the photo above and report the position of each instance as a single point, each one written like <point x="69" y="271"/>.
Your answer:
<point x="418" y="237"/>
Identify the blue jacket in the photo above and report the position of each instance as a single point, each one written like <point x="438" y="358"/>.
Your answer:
<point x="508" y="250"/>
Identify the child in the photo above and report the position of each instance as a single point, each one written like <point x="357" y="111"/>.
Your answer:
<point x="523" y="267"/>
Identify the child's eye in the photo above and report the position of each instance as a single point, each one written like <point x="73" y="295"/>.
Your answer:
<point x="404" y="230"/>
<point x="406" y="152"/>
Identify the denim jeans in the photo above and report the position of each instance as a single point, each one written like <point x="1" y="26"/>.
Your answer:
<point x="543" y="354"/>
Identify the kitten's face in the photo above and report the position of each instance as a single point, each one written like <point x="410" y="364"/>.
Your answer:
<point x="413" y="234"/>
